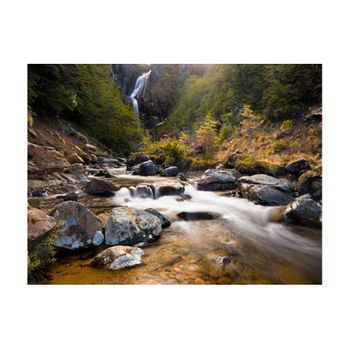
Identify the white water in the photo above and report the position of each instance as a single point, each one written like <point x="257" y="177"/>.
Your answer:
<point x="140" y="88"/>
<point x="241" y="217"/>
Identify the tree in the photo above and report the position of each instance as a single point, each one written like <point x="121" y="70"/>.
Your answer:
<point x="206" y="136"/>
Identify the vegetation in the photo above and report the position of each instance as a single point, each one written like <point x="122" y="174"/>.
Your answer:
<point x="86" y="94"/>
<point x="40" y="256"/>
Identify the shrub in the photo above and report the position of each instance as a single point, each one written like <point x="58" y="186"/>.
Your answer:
<point x="279" y="146"/>
<point x="287" y="125"/>
<point x="206" y="136"/>
<point x="41" y="255"/>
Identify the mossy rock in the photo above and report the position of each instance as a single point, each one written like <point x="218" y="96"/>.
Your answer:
<point x="41" y="254"/>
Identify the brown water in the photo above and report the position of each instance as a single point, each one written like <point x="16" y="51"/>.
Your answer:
<point x="260" y="251"/>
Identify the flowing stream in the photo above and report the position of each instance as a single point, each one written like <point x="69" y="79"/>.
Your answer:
<point x="140" y="88"/>
<point x="256" y="249"/>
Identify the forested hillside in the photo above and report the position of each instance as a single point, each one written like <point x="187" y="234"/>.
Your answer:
<point x="85" y="94"/>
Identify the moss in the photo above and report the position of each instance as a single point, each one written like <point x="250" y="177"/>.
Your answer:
<point x="41" y="255"/>
<point x="269" y="168"/>
<point x="308" y="175"/>
<point x="246" y="163"/>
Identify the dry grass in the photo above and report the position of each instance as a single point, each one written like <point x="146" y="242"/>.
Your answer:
<point x="278" y="143"/>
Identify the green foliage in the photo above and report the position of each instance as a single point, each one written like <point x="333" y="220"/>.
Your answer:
<point x="292" y="89"/>
<point x="168" y="150"/>
<point x="276" y="91"/>
<point x="42" y="254"/>
<point x="86" y="94"/>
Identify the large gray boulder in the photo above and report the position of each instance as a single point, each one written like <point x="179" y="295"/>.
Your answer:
<point x="304" y="210"/>
<point x="216" y="180"/>
<point x="77" y="227"/>
<point x="164" y="221"/>
<point x="310" y="182"/>
<point x="170" y="171"/>
<point x="147" y="168"/>
<point x="265" y="194"/>
<point x="131" y="226"/>
<point x="118" y="257"/>
<point x="266" y="180"/>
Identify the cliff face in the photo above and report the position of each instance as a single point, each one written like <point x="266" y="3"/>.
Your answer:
<point x="158" y="98"/>
<point x="125" y="75"/>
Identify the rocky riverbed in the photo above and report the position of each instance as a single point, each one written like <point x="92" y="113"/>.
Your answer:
<point x="94" y="218"/>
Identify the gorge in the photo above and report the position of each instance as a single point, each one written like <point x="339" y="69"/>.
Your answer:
<point x="174" y="174"/>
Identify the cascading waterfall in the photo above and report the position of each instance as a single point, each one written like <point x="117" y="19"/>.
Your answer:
<point x="140" y="88"/>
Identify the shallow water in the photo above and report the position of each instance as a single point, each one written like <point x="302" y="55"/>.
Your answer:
<point x="260" y="251"/>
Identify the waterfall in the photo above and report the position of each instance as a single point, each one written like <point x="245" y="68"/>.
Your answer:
<point x="140" y="88"/>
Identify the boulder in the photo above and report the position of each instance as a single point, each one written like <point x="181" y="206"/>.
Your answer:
<point x="265" y="194"/>
<point x="39" y="223"/>
<point x="262" y="179"/>
<point x="75" y="173"/>
<point x="165" y="188"/>
<point x="170" y="171"/>
<point x="298" y="166"/>
<point x="145" y="169"/>
<point x="71" y="196"/>
<point x="77" y="226"/>
<point x="164" y="221"/>
<point x="131" y="226"/>
<point x="100" y="187"/>
<point x="136" y="159"/>
<point x="47" y="159"/>
<point x="304" y="210"/>
<point x="310" y="182"/>
<point x="118" y="257"/>
<point x="198" y="215"/>
<point x="143" y="191"/>
<point x="216" y="180"/>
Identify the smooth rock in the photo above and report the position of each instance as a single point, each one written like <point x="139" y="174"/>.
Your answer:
<point x="131" y="226"/>
<point x="76" y="225"/>
<point x="145" y="169"/>
<point x="170" y="171"/>
<point x="143" y="191"/>
<point x="198" y="215"/>
<point x="216" y="180"/>
<point x="118" y="257"/>
<point x="164" y="221"/>
<point x="102" y="187"/>
<point x="297" y="166"/>
<point x="98" y="238"/>
<point x="39" y="223"/>
<point x="262" y="179"/>
<point x="304" y="210"/>
<point x="310" y="182"/>
<point x="171" y="188"/>
<point x="265" y="194"/>
<point x="71" y="196"/>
